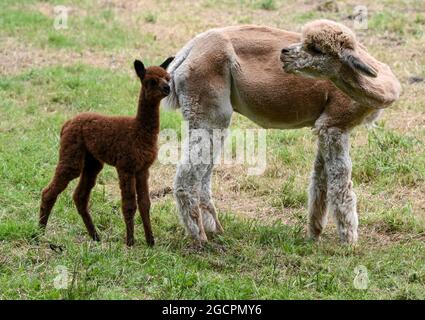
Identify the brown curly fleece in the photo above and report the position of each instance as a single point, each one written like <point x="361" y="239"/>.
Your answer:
<point x="128" y="143"/>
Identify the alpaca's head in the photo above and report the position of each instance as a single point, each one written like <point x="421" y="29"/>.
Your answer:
<point x="155" y="80"/>
<point x="326" y="49"/>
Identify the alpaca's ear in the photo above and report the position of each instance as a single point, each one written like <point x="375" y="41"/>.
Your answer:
<point x="351" y="59"/>
<point x="140" y="69"/>
<point x="166" y="63"/>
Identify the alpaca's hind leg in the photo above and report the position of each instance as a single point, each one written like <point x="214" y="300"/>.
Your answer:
<point x="192" y="200"/>
<point x="81" y="197"/>
<point x="206" y="106"/>
<point x="129" y="205"/>
<point x="187" y="185"/>
<point x="144" y="202"/>
<point x="334" y="146"/>
<point x="209" y="213"/>
<point x="71" y="156"/>
<point x="317" y="211"/>
<point x="63" y="175"/>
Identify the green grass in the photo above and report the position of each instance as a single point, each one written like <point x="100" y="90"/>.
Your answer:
<point x="97" y="30"/>
<point x="393" y="158"/>
<point x="263" y="254"/>
<point x="267" y="4"/>
<point x="290" y="196"/>
<point x="258" y="261"/>
<point x="398" y="23"/>
<point x="150" y="17"/>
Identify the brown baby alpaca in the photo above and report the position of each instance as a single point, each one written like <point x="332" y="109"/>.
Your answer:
<point x="128" y="143"/>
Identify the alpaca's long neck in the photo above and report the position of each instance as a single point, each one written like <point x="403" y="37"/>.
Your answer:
<point x="377" y="92"/>
<point x="373" y="92"/>
<point x="148" y="114"/>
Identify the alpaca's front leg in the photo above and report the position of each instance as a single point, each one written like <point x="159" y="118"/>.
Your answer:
<point x="128" y="198"/>
<point x="142" y="186"/>
<point x="209" y="213"/>
<point x="334" y="146"/>
<point x="317" y="211"/>
<point x="187" y="185"/>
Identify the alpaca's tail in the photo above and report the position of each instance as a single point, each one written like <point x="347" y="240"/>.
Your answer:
<point x="171" y="102"/>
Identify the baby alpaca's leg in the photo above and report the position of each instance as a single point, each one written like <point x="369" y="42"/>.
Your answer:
<point x="129" y="205"/>
<point x="91" y="169"/>
<point x="70" y="164"/>
<point x="144" y="202"/>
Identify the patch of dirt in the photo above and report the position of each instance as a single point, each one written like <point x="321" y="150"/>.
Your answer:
<point x="405" y="121"/>
<point x="48" y="9"/>
<point x="232" y="194"/>
<point x="17" y="57"/>
<point x="415" y="195"/>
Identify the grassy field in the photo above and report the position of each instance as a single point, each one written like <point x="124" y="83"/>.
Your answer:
<point x="49" y="75"/>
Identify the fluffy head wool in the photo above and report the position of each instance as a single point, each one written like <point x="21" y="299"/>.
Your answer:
<point x="330" y="36"/>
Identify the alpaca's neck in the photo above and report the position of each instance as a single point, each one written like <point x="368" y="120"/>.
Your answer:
<point x="148" y="114"/>
<point x="377" y="92"/>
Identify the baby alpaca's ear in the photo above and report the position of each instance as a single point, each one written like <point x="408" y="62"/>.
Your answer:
<point x="166" y="63"/>
<point x="140" y="69"/>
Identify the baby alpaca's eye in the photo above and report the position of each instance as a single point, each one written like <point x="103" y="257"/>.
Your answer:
<point x="152" y="82"/>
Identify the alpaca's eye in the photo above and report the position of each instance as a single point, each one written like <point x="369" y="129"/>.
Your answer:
<point x="152" y="82"/>
<point x="315" y="49"/>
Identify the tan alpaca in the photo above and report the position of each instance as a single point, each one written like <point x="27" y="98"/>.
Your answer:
<point x="239" y="69"/>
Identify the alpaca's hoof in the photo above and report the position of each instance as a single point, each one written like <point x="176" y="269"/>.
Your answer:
<point x="349" y="242"/>
<point x="316" y="238"/>
<point x="35" y="237"/>
<point x="314" y="233"/>
<point x="150" y="241"/>
<point x="96" y="237"/>
<point x="349" y="237"/>
<point x="202" y="238"/>
<point x="42" y="226"/>
<point x="219" y="229"/>
<point x="130" y="242"/>
<point x="200" y="243"/>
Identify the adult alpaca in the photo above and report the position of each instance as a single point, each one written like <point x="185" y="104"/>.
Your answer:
<point x="238" y="69"/>
<point x="128" y="143"/>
